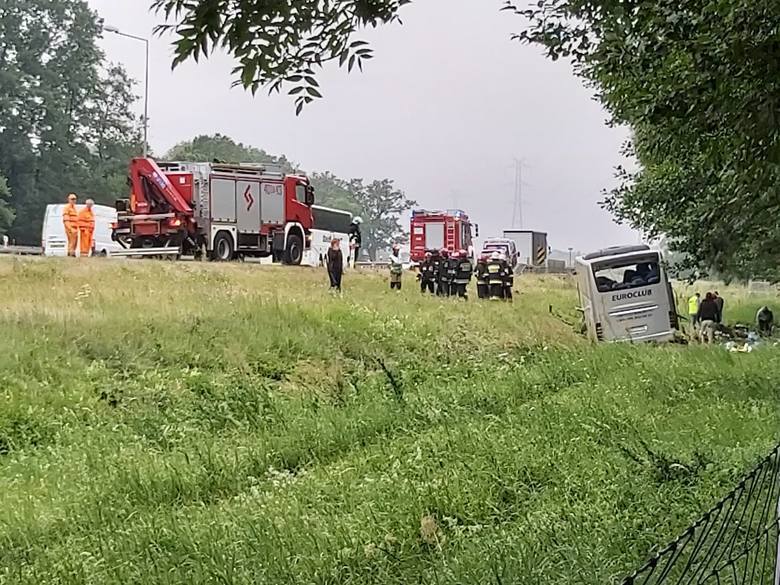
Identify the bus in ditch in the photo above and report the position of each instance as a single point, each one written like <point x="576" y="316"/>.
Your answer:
<point x="625" y="295"/>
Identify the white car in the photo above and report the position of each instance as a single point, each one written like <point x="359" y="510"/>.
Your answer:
<point x="54" y="242"/>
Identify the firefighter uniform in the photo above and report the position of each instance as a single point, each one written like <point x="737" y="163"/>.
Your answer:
<point x="481" y="275"/>
<point x="452" y="271"/>
<point x="427" y="274"/>
<point x="70" y="219"/>
<point x="495" y="278"/>
<point x="396" y="269"/>
<point x="443" y="289"/>
<point x="509" y="280"/>
<point x="463" y="272"/>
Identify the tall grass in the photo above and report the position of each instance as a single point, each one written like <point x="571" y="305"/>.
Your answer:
<point x="170" y="423"/>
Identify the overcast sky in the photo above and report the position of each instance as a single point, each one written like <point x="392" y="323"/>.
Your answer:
<point x="444" y="109"/>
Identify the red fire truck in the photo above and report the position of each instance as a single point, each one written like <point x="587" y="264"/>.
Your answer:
<point x="221" y="210"/>
<point x="437" y="230"/>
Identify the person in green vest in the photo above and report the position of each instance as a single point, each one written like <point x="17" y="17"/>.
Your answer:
<point x="693" y="309"/>
<point x="396" y="268"/>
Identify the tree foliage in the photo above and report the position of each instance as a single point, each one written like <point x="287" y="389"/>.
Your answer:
<point x="223" y="149"/>
<point x="698" y="81"/>
<point x="64" y="121"/>
<point x="277" y="44"/>
<point x="6" y="212"/>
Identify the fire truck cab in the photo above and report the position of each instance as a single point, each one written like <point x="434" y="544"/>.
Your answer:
<point x="437" y="230"/>
<point x="225" y="211"/>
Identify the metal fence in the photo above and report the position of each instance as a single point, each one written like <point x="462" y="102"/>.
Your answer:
<point x="735" y="543"/>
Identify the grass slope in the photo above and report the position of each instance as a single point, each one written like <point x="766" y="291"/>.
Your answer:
<point x="173" y="422"/>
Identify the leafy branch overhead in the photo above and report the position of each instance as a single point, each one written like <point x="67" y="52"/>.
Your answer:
<point x="277" y="44"/>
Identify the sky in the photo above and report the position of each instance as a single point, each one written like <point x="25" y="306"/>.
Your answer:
<point x="445" y="108"/>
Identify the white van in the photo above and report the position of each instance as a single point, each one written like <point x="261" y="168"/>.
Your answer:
<point x="54" y="242"/>
<point x="329" y="224"/>
<point x="625" y="295"/>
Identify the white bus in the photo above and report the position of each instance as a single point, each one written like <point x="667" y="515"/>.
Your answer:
<point x="329" y="224"/>
<point x="625" y="295"/>
<point x="54" y="242"/>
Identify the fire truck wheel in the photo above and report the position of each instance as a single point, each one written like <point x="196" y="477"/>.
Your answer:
<point x="223" y="248"/>
<point x="294" y="252"/>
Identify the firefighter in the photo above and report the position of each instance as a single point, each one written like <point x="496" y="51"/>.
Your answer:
<point x="355" y="240"/>
<point x="86" y="228"/>
<point x="436" y="261"/>
<point x="396" y="268"/>
<point x="481" y="275"/>
<point x="452" y="271"/>
<point x="443" y="286"/>
<point x="463" y="275"/>
<point x="427" y="276"/>
<point x="495" y="277"/>
<point x="509" y="278"/>
<point x="70" y="218"/>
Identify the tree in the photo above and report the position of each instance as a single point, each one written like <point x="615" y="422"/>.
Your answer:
<point x="6" y="213"/>
<point x="223" y="149"/>
<point x="59" y="112"/>
<point x="698" y="81"/>
<point x="277" y="43"/>
<point x="381" y="206"/>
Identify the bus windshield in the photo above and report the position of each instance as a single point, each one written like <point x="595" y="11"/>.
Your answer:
<point x="626" y="273"/>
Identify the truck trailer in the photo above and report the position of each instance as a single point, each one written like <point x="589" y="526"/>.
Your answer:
<point x="441" y="230"/>
<point x="531" y="247"/>
<point x="222" y="211"/>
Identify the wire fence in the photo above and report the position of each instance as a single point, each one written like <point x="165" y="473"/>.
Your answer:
<point x="735" y="543"/>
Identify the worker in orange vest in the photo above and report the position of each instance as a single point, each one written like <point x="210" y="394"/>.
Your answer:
<point x="70" y="218"/>
<point x="86" y="228"/>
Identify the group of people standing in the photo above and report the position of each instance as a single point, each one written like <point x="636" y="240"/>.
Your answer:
<point x="79" y="226"/>
<point x="445" y="274"/>
<point x="706" y="314"/>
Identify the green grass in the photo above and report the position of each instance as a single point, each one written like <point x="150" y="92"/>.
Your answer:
<point x="196" y="423"/>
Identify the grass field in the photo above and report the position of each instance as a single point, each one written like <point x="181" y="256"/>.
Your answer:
<point x="197" y="423"/>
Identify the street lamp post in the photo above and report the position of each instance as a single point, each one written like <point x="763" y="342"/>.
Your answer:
<point x="116" y="31"/>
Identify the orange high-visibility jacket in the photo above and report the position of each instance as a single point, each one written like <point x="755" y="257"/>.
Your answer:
<point x="86" y="219"/>
<point x="70" y="217"/>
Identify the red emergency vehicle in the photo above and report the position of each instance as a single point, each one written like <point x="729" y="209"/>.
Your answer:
<point x="222" y="210"/>
<point x="436" y="230"/>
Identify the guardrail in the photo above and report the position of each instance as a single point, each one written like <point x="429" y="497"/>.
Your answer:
<point x="21" y="250"/>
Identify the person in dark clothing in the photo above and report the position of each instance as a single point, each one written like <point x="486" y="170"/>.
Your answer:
<point x="355" y="240"/>
<point x="443" y="286"/>
<point x="481" y="274"/>
<point x="463" y="271"/>
<point x="509" y="278"/>
<point x="426" y="276"/>
<point x="335" y="263"/>
<point x="765" y="320"/>
<point x="452" y="270"/>
<point x="719" y="302"/>
<point x="708" y="318"/>
<point x="436" y="260"/>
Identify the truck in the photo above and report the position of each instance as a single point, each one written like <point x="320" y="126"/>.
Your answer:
<point x="625" y="295"/>
<point x="221" y="211"/>
<point x="531" y="247"/>
<point x="450" y="229"/>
